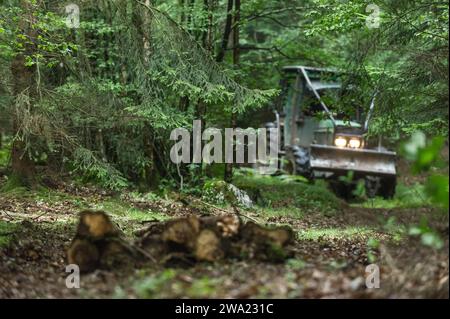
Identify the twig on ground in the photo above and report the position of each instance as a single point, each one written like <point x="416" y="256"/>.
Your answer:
<point x="145" y="253"/>
<point x="132" y="248"/>
<point x="7" y="233"/>
<point x="143" y="222"/>
<point x="235" y="209"/>
<point x="7" y="215"/>
<point x="39" y="216"/>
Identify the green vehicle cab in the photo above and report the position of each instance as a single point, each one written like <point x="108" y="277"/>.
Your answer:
<point x="317" y="142"/>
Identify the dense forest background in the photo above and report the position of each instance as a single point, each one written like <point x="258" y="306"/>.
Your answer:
<point x="98" y="100"/>
<point x="90" y="92"/>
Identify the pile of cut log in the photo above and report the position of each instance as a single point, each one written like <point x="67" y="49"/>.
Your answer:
<point x="98" y="243"/>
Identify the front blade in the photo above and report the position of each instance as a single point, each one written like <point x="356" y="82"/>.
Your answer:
<point x="341" y="160"/>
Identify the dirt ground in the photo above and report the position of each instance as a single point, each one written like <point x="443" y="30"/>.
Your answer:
<point x="331" y="254"/>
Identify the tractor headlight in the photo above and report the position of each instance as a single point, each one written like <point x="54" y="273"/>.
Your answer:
<point x="340" y="141"/>
<point x="354" y="143"/>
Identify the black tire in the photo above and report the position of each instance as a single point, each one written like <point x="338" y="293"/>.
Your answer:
<point x="372" y="184"/>
<point x="388" y="186"/>
<point x="342" y="189"/>
<point x="380" y="186"/>
<point x="269" y="126"/>
<point x="302" y="163"/>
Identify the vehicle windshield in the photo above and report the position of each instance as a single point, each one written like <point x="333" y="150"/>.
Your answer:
<point x="328" y="85"/>
<point x="337" y="101"/>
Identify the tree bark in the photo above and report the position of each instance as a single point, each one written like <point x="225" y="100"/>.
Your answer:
<point x="236" y="38"/>
<point x="190" y="19"/>
<point x="226" y="34"/>
<point x="183" y="11"/>
<point x="23" y="77"/>
<point x="200" y="107"/>
<point x="150" y="169"/>
<point x="228" y="176"/>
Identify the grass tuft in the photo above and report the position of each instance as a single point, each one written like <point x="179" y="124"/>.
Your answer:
<point x="334" y="233"/>
<point x="284" y="195"/>
<point x="413" y="196"/>
<point x="7" y="231"/>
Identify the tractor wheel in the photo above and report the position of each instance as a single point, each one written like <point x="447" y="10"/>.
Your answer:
<point x="289" y="166"/>
<point x="343" y="190"/>
<point x="302" y="163"/>
<point x="269" y="126"/>
<point x="373" y="185"/>
<point x="380" y="186"/>
<point x="388" y="185"/>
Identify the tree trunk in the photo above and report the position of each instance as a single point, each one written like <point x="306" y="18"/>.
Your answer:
<point x="151" y="172"/>
<point x="190" y="18"/>
<point x="183" y="11"/>
<point x="237" y="19"/>
<point x="207" y="38"/>
<point x="146" y="39"/>
<point x="226" y="34"/>
<point x="200" y="108"/>
<point x="23" y="77"/>
<point x="228" y="176"/>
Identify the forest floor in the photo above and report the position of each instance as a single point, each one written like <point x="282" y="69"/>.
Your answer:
<point x="335" y="242"/>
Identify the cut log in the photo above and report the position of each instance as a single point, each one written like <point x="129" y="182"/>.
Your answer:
<point x="84" y="254"/>
<point x="278" y="235"/>
<point x="96" y="224"/>
<point x="98" y="242"/>
<point x="225" y="225"/>
<point x="115" y="254"/>
<point x="208" y="246"/>
<point x="182" y="232"/>
<point x="265" y="243"/>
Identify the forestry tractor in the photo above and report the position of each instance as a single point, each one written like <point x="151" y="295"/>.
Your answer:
<point x="317" y="141"/>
